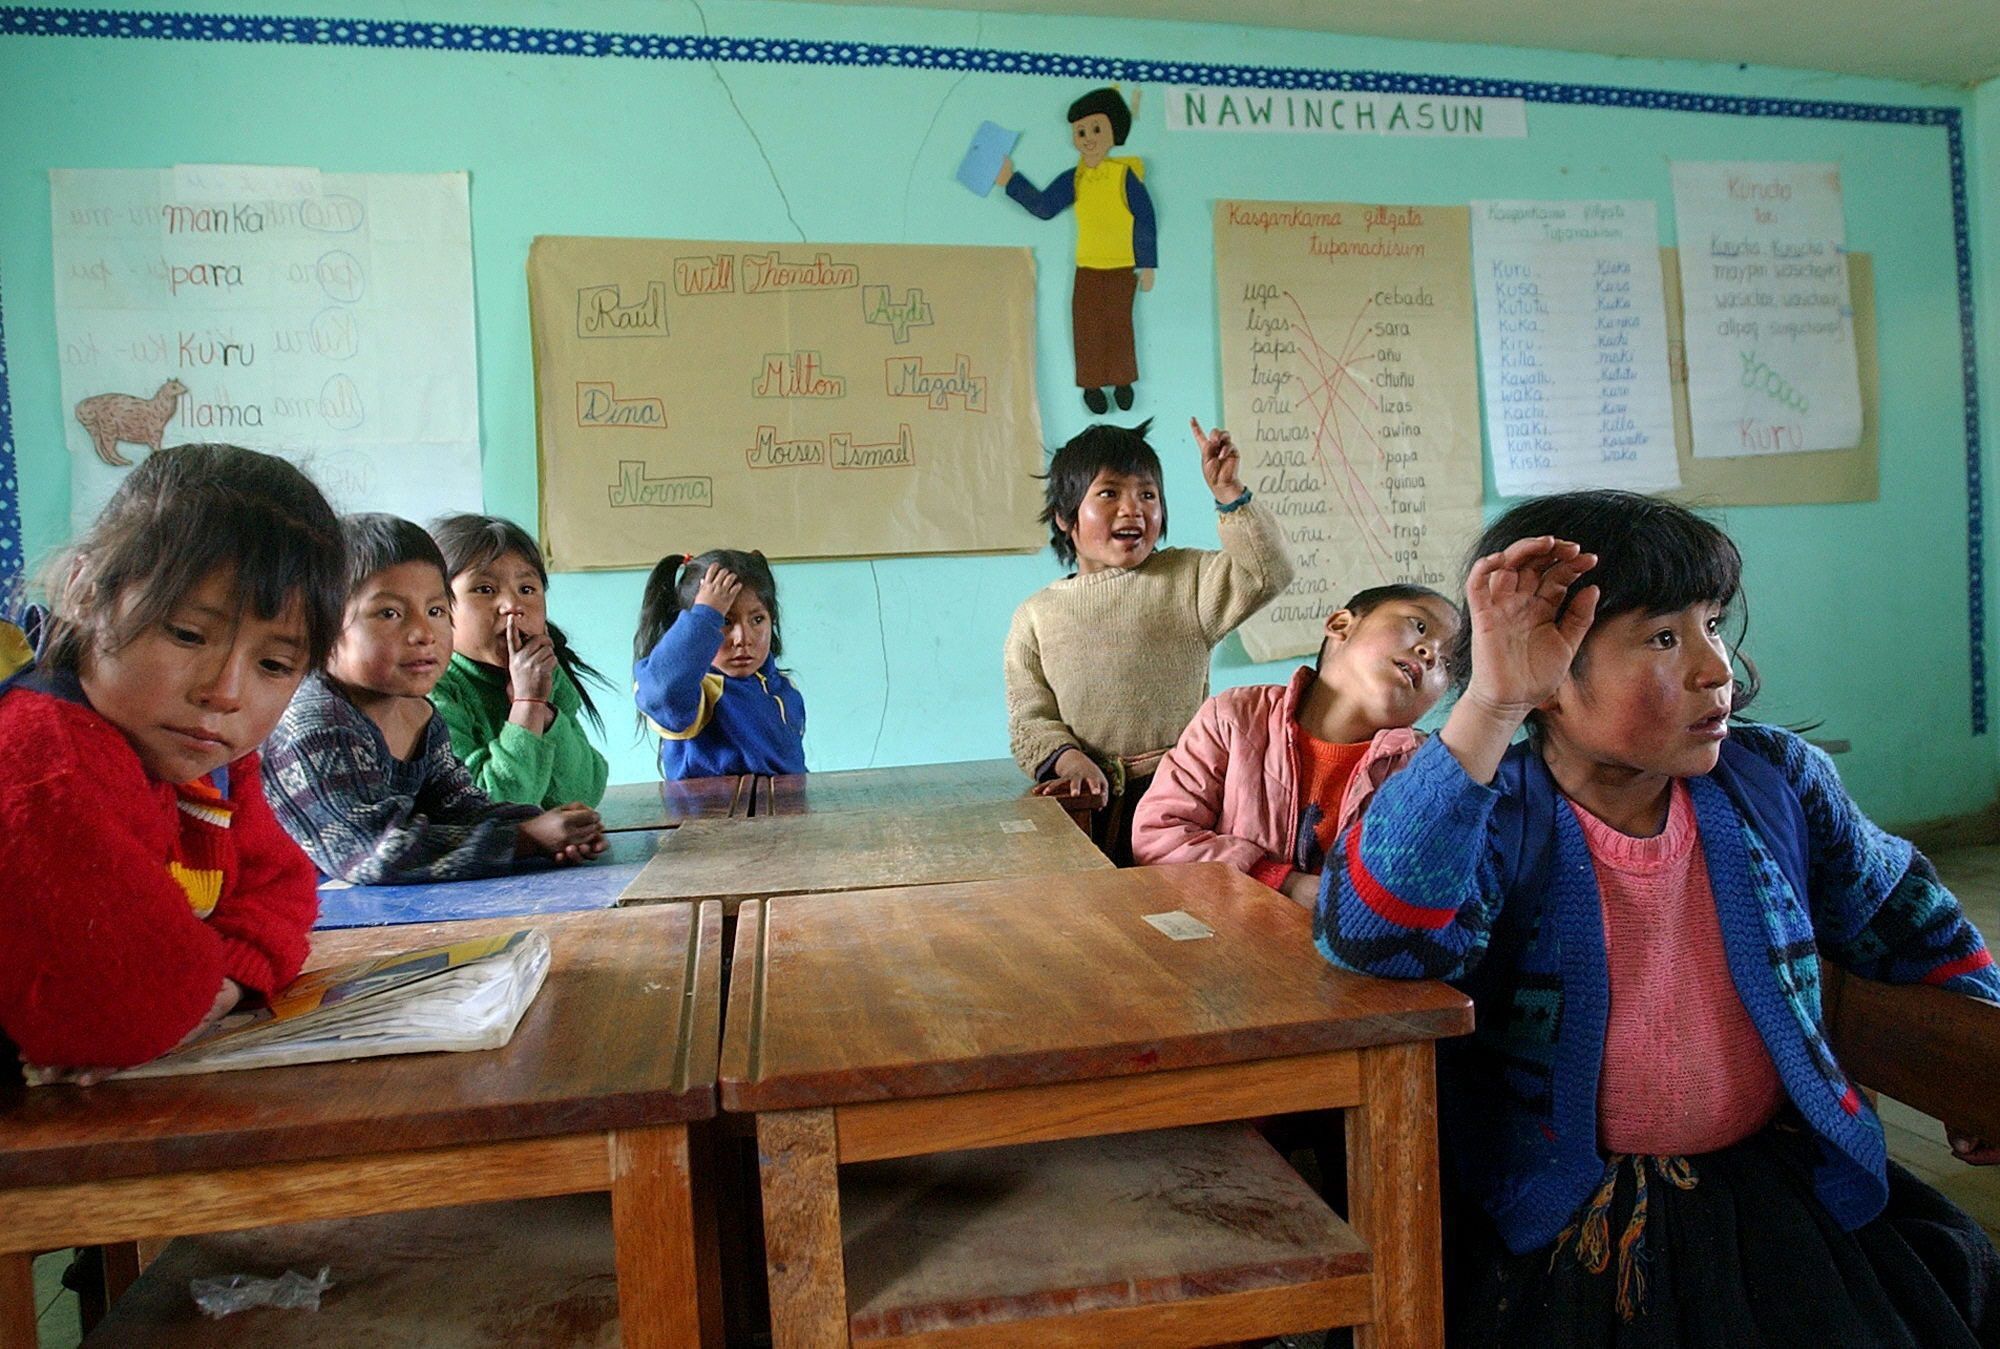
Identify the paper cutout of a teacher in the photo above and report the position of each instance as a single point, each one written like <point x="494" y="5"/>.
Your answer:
<point x="1116" y="242"/>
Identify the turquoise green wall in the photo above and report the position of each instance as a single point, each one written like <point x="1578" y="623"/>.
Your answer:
<point x="1859" y="612"/>
<point x="1983" y="162"/>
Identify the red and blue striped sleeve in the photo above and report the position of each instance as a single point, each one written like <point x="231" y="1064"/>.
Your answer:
<point x="1412" y="889"/>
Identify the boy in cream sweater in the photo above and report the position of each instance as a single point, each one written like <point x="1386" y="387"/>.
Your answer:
<point x="1106" y="667"/>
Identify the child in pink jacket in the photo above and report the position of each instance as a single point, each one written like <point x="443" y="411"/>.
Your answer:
<point x="1269" y="776"/>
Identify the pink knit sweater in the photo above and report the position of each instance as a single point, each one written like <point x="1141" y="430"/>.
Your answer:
<point x="1684" y="1068"/>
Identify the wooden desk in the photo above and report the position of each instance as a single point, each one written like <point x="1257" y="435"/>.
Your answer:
<point x="899" y="1023"/>
<point x="735" y="860"/>
<point x="664" y="805"/>
<point x="596" y="1092"/>
<point x="587" y="885"/>
<point x="913" y="785"/>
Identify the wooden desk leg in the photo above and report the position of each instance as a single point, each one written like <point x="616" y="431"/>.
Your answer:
<point x="797" y="1163"/>
<point x="1392" y="1194"/>
<point x="17" y="1300"/>
<point x="669" y="1285"/>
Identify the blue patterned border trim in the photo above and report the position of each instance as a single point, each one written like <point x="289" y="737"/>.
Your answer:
<point x="419" y="35"/>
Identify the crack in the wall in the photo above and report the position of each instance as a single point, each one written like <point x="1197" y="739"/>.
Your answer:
<point x="715" y="68"/>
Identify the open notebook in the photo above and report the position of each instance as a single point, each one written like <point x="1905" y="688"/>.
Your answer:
<point x="470" y="995"/>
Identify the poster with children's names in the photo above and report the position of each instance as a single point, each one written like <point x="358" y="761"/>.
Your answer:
<point x="1770" y="330"/>
<point x="1573" y="345"/>
<point x="324" y="317"/>
<point x="807" y="400"/>
<point x="1348" y="380"/>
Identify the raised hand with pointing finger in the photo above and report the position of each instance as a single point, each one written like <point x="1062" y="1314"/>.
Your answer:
<point x="1221" y="464"/>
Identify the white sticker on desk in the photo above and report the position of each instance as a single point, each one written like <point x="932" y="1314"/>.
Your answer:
<point x="1180" y="926"/>
<point x="1018" y="827"/>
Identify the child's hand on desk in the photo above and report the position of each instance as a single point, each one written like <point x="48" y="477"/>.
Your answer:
<point x="718" y="589"/>
<point x="1078" y="780"/>
<point x="570" y="833"/>
<point x="226" y="999"/>
<point x="38" y="1076"/>
<point x="1302" y="888"/>
<point x="1972" y="1151"/>
<point x="1221" y="465"/>
<point x="225" y="1002"/>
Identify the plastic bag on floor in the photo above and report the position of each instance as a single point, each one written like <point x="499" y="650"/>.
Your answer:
<point x="222" y="1294"/>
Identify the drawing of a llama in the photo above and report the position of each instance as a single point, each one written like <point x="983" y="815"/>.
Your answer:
<point x="114" y="418"/>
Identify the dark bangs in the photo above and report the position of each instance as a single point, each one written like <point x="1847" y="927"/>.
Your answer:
<point x="1094" y="450"/>
<point x="183" y="514"/>
<point x="376" y="541"/>
<point x="470" y="542"/>
<point x="1653" y="556"/>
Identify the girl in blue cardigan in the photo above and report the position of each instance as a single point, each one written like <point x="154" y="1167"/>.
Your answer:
<point x="1617" y="1179"/>
<point x="705" y="668"/>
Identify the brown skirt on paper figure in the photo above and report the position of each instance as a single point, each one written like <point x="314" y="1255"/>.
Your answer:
<point x="1100" y="320"/>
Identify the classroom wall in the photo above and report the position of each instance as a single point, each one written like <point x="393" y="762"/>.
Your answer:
<point x="1983" y="160"/>
<point x="1859" y="611"/>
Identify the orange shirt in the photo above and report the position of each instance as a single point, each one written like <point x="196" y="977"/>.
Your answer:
<point x="1324" y="772"/>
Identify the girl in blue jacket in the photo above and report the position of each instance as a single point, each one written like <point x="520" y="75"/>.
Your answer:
<point x="705" y="669"/>
<point x="1651" y="1140"/>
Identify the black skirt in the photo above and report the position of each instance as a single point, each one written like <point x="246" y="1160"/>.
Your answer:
<point x="1730" y="1249"/>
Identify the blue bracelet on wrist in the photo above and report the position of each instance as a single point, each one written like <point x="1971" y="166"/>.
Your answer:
<point x="1225" y="507"/>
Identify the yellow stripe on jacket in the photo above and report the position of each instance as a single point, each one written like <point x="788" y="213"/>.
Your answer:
<point x="711" y="694"/>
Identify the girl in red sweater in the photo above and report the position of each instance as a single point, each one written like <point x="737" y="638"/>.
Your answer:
<point x="150" y="888"/>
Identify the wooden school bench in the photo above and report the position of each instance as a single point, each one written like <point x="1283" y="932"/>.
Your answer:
<point x="596" y="1092"/>
<point x="738" y="860"/>
<point x="880" y="1035"/>
<point x="663" y="805"/>
<point x="586" y="885"/>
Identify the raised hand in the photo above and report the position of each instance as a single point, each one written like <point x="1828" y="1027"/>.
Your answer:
<point x="718" y="589"/>
<point x="1221" y="465"/>
<point x="1006" y="171"/>
<point x="1523" y="640"/>
<point x="1523" y="643"/>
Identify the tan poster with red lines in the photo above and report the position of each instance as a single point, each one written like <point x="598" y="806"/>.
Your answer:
<point x="1349" y="380"/>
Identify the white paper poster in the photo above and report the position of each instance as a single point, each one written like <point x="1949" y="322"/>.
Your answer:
<point x="1770" y="330"/>
<point x="1573" y="345"/>
<point x="325" y="317"/>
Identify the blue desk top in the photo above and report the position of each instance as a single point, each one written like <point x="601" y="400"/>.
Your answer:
<point x="591" y="885"/>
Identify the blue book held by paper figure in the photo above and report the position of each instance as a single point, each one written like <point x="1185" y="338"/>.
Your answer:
<point x="981" y="165"/>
